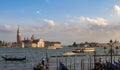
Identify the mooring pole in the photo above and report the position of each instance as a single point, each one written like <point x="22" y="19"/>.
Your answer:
<point x="94" y="59"/>
<point x="111" y="52"/>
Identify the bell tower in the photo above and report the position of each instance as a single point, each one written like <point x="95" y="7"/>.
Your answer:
<point x="18" y="35"/>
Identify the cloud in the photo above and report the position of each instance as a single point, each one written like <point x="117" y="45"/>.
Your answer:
<point x="7" y="28"/>
<point x="117" y="9"/>
<point x="80" y="30"/>
<point x="49" y="22"/>
<point x="94" y="21"/>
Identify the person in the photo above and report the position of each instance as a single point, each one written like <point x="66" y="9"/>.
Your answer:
<point x="43" y="61"/>
<point x="39" y="66"/>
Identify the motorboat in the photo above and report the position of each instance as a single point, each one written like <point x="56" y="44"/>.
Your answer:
<point x="51" y="47"/>
<point x="68" y="54"/>
<point x="89" y="50"/>
<point x="76" y="51"/>
<point x="83" y="50"/>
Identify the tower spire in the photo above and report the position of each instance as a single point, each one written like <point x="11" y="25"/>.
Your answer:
<point x="18" y="34"/>
<point x="18" y="31"/>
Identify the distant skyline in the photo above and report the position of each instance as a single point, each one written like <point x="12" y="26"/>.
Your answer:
<point x="66" y="21"/>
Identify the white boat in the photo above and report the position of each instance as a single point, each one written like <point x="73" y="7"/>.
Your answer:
<point x="68" y="54"/>
<point x="83" y="50"/>
<point x="51" y="47"/>
<point x="89" y="50"/>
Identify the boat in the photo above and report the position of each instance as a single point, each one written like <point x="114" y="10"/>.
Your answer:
<point x="8" y="58"/>
<point x="59" y="47"/>
<point x="89" y="50"/>
<point x="77" y="51"/>
<point x="68" y="54"/>
<point x="51" y="47"/>
<point x="83" y="50"/>
<point x="38" y="67"/>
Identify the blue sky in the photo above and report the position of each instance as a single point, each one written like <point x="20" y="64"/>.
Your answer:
<point x="61" y="20"/>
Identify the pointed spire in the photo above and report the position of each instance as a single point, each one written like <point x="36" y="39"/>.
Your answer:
<point x="32" y="38"/>
<point x="18" y="34"/>
<point x="18" y="29"/>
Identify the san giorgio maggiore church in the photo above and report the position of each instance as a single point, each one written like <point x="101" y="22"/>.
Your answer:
<point x="34" y="43"/>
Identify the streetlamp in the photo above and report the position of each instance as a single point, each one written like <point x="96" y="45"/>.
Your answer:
<point x="111" y="52"/>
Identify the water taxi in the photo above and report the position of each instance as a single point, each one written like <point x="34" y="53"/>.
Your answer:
<point x="83" y="50"/>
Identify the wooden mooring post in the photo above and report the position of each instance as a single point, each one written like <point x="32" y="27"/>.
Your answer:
<point x="81" y="65"/>
<point x="47" y="62"/>
<point x="70" y="64"/>
<point x="57" y="63"/>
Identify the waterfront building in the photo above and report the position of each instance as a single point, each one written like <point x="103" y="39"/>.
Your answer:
<point x="34" y="43"/>
<point x="54" y="44"/>
<point x="38" y="43"/>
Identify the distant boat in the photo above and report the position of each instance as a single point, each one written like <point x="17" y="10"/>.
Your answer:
<point x="53" y="47"/>
<point x="89" y="49"/>
<point x="68" y="54"/>
<point x="8" y="58"/>
<point x="83" y="50"/>
<point x="77" y="50"/>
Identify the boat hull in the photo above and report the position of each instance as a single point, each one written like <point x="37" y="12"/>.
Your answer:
<point x="13" y="59"/>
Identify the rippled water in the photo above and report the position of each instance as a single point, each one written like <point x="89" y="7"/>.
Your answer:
<point x="34" y="56"/>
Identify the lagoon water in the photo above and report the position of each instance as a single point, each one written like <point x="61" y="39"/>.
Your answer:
<point x="34" y="56"/>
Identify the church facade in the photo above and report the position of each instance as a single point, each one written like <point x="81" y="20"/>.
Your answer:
<point x="34" y="43"/>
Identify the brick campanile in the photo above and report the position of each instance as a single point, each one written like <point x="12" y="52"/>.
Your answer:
<point x="18" y="35"/>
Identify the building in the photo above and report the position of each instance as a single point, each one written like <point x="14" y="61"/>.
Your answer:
<point x="54" y="44"/>
<point x="18" y="35"/>
<point x="38" y="43"/>
<point x="34" y="43"/>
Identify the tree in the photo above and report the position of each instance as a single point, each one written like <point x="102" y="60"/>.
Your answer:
<point x="74" y="44"/>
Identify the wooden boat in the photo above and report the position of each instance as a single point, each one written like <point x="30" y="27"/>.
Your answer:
<point x="39" y="67"/>
<point x="13" y="58"/>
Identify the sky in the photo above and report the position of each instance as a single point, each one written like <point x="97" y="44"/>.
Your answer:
<point x="66" y="21"/>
